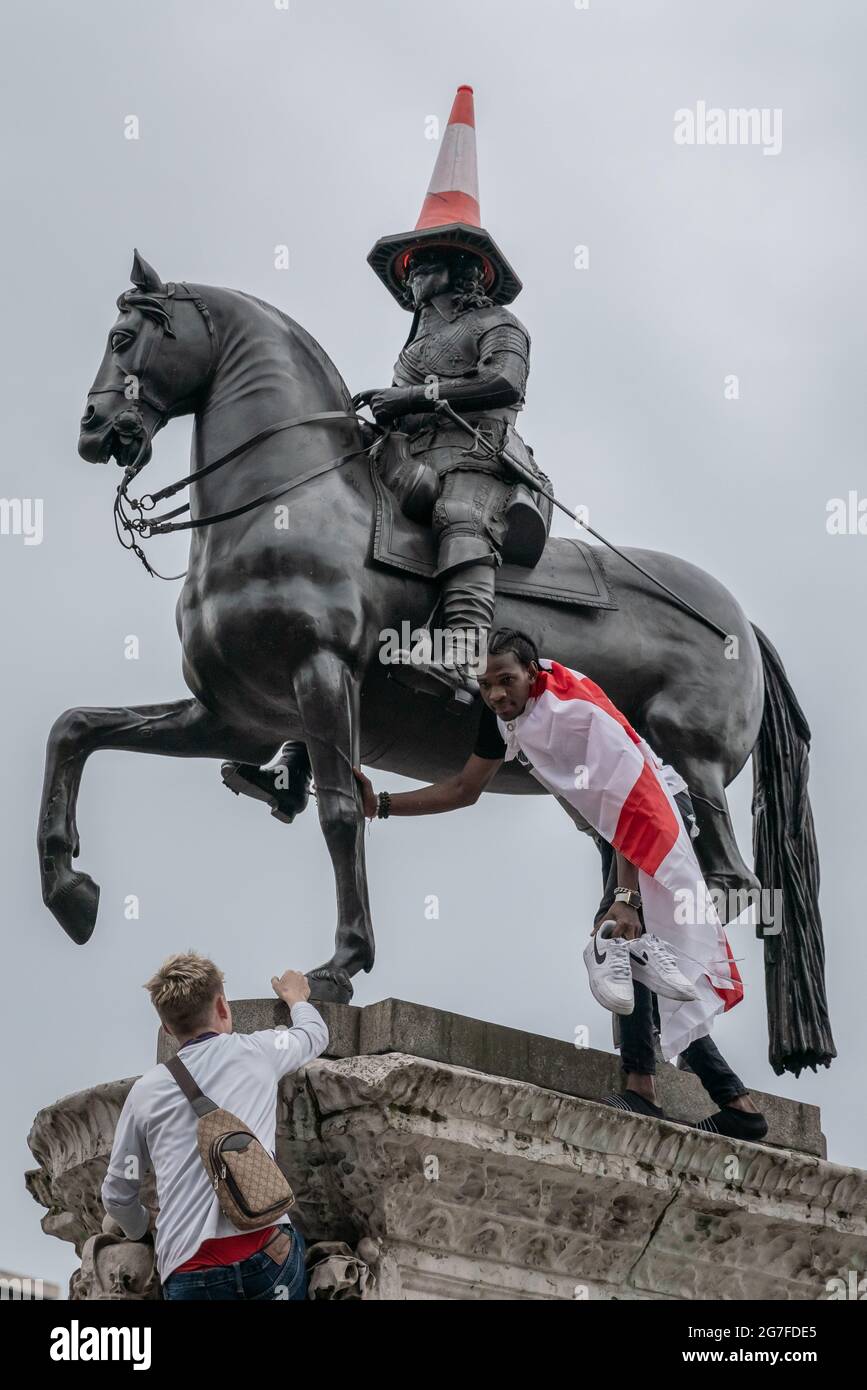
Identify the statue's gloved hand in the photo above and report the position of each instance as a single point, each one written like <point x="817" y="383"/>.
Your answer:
<point x="387" y="403"/>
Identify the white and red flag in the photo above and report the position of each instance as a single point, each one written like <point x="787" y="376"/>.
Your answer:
<point x="583" y="750"/>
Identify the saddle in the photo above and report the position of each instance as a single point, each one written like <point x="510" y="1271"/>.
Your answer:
<point x="568" y="571"/>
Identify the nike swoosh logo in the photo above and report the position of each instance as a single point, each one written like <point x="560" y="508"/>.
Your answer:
<point x="600" y="960"/>
<point x="640" y="955"/>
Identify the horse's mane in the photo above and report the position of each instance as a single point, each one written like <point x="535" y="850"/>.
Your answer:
<point x="293" y="329"/>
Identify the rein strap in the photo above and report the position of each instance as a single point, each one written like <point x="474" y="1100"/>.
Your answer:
<point x="163" y="524"/>
<point x="321" y="415"/>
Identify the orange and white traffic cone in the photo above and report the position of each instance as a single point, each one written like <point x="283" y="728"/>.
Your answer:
<point x="450" y="216"/>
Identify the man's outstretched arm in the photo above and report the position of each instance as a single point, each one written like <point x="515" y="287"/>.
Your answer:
<point x="464" y="789"/>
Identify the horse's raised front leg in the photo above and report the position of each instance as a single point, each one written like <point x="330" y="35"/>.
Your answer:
<point x="328" y="703"/>
<point x="183" y="729"/>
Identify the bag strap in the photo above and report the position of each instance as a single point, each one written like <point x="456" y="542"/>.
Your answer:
<point x="198" y="1100"/>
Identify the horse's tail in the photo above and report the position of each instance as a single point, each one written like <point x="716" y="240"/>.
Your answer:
<point x="787" y="863"/>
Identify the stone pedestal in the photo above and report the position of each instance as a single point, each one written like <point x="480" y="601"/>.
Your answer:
<point x="463" y="1160"/>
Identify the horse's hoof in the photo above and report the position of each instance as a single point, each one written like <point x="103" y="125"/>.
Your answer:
<point x="75" y="903"/>
<point x="329" y="986"/>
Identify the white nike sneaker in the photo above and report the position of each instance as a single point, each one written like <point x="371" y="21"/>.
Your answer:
<point x="608" y="965"/>
<point x="654" y="964"/>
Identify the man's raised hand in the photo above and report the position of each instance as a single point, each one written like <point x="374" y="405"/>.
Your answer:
<point x="291" y="987"/>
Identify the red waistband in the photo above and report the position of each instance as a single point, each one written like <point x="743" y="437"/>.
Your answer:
<point x="226" y="1250"/>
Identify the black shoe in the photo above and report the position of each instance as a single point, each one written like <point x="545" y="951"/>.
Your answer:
<point x="631" y="1100"/>
<point x="245" y="779"/>
<point x="735" y="1124"/>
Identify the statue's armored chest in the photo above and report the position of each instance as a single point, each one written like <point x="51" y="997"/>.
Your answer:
<point x="446" y="349"/>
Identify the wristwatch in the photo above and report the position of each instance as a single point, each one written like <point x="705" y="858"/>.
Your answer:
<point x="628" y="896"/>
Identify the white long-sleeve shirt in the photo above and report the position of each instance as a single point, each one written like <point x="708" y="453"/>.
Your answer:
<point x="156" y="1130"/>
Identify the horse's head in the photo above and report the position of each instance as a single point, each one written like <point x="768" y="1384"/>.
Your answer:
<point x="158" y="361"/>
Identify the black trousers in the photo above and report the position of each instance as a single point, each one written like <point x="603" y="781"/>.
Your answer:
<point x="638" y="1030"/>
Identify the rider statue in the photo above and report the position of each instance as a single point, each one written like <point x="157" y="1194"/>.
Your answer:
<point x="466" y="349"/>
<point x="473" y="353"/>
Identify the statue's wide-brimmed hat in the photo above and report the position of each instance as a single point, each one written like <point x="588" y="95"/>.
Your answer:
<point x="450" y="216"/>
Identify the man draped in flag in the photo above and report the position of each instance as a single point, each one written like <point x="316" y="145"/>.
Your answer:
<point x="658" y="948"/>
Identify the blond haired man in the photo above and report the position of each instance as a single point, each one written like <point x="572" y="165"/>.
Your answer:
<point x="199" y="1254"/>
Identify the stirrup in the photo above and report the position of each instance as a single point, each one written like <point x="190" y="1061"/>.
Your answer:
<point x="431" y="679"/>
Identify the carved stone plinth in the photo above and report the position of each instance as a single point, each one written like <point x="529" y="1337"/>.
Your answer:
<point x="480" y="1187"/>
<point x="419" y="1177"/>
<point x="71" y="1141"/>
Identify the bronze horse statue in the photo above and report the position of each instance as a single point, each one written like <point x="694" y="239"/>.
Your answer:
<point x="280" y="632"/>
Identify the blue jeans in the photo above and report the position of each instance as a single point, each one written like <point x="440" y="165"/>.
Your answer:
<point x="258" y="1277"/>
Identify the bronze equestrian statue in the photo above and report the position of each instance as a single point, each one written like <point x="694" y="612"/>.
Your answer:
<point x="284" y="601"/>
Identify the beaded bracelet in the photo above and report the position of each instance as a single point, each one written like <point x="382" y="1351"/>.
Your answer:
<point x="383" y="808"/>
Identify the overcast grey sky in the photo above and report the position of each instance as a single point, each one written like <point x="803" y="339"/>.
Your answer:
<point x="307" y="127"/>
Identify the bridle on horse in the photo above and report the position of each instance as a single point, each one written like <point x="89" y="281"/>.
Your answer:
<point x="144" y="527"/>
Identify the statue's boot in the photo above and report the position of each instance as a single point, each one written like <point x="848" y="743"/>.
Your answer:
<point x="285" y="785"/>
<point x="451" y="681"/>
<point x="466" y="610"/>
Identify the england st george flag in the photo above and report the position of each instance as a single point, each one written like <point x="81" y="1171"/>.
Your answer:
<point x="583" y="750"/>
